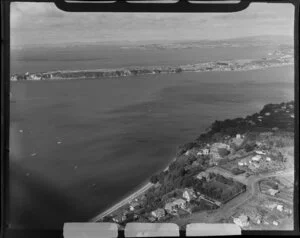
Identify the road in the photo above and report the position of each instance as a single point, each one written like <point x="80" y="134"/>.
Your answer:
<point x="226" y="209"/>
<point x="122" y="202"/>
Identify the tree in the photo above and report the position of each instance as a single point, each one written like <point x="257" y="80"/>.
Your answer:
<point x="250" y="146"/>
<point x="154" y="178"/>
<point x="223" y="152"/>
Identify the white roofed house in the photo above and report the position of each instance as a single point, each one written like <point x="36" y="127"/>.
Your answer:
<point x="189" y="194"/>
<point x="158" y="213"/>
<point x="203" y="152"/>
<point x="203" y="175"/>
<point x="134" y="205"/>
<point x="259" y="152"/>
<point x="14" y="78"/>
<point x="35" y="76"/>
<point x="242" y="220"/>
<point x="280" y="207"/>
<point x="273" y="192"/>
<point x="172" y="207"/>
<point x="256" y="158"/>
<point x="259" y="118"/>
<point x="119" y="217"/>
<point x="179" y="203"/>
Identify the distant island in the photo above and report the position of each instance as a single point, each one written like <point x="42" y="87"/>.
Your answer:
<point x="239" y="171"/>
<point x="283" y="56"/>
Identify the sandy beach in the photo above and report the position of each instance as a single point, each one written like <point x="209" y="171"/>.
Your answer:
<point x="122" y="202"/>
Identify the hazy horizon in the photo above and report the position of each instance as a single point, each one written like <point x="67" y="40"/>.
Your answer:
<point x="43" y="24"/>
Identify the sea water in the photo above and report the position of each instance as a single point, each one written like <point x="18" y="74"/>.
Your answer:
<point x="77" y="147"/>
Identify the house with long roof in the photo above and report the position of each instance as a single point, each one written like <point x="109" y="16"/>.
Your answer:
<point x="189" y="194"/>
<point x="171" y="207"/>
<point x="158" y="213"/>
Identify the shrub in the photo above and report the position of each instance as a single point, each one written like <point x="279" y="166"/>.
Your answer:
<point x="223" y="152"/>
<point x="250" y="147"/>
<point x="237" y="171"/>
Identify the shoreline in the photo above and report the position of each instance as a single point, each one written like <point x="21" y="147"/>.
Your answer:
<point x="145" y="74"/>
<point x="139" y="191"/>
<point x="123" y="202"/>
<point x="204" y="139"/>
<point x="275" y="60"/>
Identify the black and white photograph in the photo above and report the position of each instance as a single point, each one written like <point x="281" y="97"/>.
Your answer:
<point x="152" y="117"/>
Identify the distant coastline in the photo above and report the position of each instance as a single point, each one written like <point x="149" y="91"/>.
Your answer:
<point x="276" y="59"/>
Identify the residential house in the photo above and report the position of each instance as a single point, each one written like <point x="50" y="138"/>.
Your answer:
<point x="268" y="159"/>
<point x="134" y="205"/>
<point x="259" y="152"/>
<point x="195" y="164"/>
<point x="242" y="220"/>
<point x="275" y="223"/>
<point x="279" y="207"/>
<point x="256" y="158"/>
<point x="271" y="206"/>
<point x="35" y="77"/>
<point x="13" y="78"/>
<point x="258" y="143"/>
<point x="273" y="192"/>
<point x="158" y="213"/>
<point x="152" y="219"/>
<point x="119" y="218"/>
<point x="171" y="207"/>
<point x="203" y="175"/>
<point x="256" y="218"/>
<point x="179" y="203"/>
<point x="238" y="141"/>
<point x="203" y="152"/>
<point x="189" y="194"/>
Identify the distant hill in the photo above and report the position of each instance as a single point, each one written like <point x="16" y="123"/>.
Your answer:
<point x="263" y="40"/>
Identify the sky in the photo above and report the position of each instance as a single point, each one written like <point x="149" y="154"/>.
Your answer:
<point x="44" y="24"/>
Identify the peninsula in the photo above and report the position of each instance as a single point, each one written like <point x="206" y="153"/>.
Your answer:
<point x="240" y="170"/>
<point x="280" y="57"/>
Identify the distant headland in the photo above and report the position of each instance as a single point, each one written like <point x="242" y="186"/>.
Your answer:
<point x="280" y="57"/>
